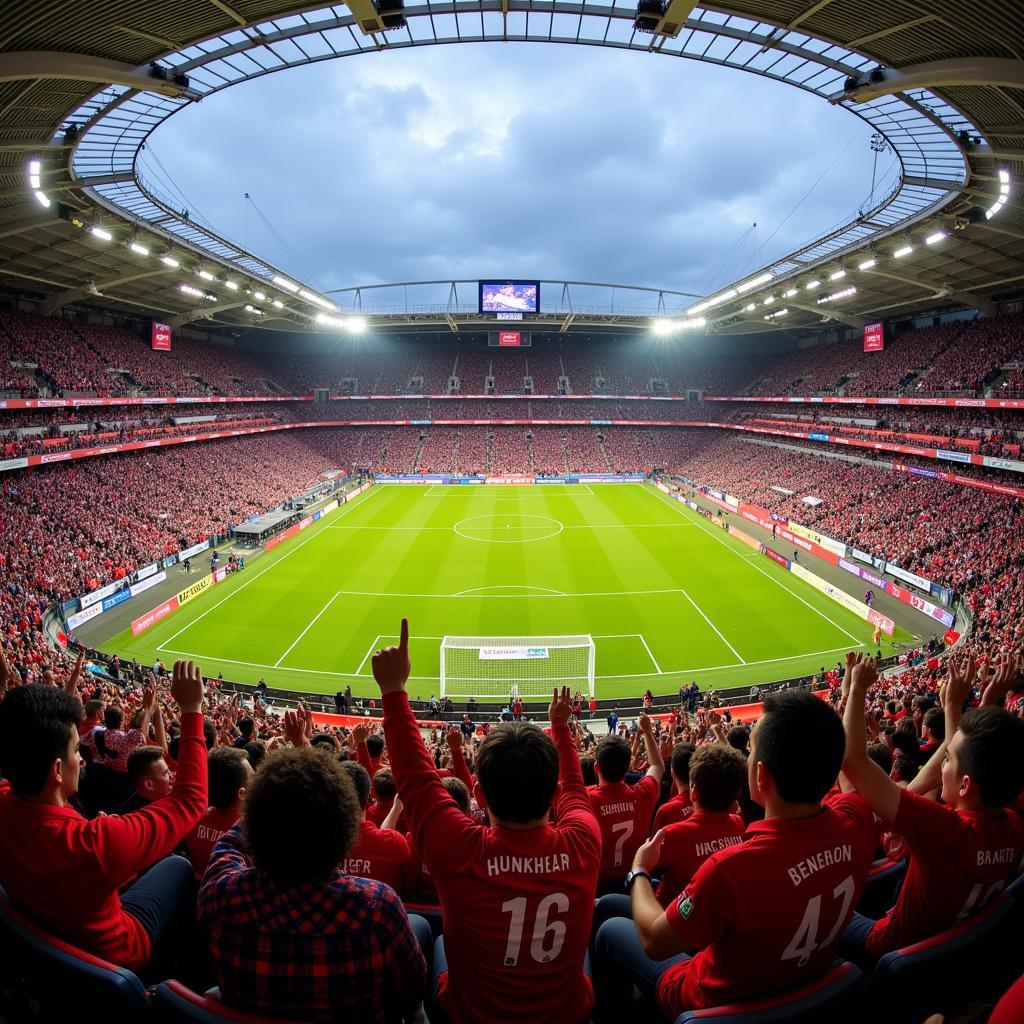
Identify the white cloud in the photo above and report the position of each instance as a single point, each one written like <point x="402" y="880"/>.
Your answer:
<point x="520" y="160"/>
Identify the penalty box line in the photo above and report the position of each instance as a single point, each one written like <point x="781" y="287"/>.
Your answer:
<point x="689" y="671"/>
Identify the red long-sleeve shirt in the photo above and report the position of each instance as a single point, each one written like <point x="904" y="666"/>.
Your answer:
<point x="517" y="905"/>
<point x="63" y="871"/>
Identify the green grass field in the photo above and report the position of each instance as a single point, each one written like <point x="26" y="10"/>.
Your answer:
<point x="668" y="597"/>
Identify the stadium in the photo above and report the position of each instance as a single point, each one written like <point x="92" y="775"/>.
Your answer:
<point x="516" y="530"/>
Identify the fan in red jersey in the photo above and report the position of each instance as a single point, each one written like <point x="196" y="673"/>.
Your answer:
<point x="518" y="895"/>
<point x="624" y="811"/>
<point x="379" y="853"/>
<point x="805" y="862"/>
<point x="965" y="850"/>
<point x="229" y="772"/>
<point x="678" y="807"/>
<point x="716" y="782"/>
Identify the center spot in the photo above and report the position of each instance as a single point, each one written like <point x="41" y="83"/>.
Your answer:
<point x="508" y="528"/>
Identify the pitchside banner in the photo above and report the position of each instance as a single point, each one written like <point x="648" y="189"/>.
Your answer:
<point x="161" y="337"/>
<point x="874" y="338"/>
<point x="512" y="653"/>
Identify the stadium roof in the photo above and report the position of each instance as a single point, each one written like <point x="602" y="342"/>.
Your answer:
<point x="82" y="85"/>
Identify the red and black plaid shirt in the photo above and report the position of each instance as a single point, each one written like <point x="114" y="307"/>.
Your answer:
<point x="342" y="950"/>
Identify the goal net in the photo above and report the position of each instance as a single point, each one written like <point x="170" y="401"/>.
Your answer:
<point x="503" y="666"/>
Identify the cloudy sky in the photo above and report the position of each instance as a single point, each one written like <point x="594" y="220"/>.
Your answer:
<point x="516" y="160"/>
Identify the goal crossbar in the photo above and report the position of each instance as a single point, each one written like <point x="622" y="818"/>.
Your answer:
<point x="498" y="666"/>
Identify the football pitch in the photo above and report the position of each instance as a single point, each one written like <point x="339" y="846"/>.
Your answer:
<point x="668" y="597"/>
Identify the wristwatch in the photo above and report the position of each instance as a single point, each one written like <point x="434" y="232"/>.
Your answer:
<point x="632" y="876"/>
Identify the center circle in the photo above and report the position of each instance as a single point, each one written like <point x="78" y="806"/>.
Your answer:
<point x="508" y="528"/>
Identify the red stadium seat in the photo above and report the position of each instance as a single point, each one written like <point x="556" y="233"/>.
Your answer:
<point x="832" y="998"/>
<point x="177" y="1004"/>
<point x="63" y="979"/>
<point x="929" y="976"/>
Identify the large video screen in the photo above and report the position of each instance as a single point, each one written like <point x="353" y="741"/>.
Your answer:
<point x="509" y="296"/>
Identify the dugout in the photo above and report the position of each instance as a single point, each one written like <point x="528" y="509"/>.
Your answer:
<point x="260" y="530"/>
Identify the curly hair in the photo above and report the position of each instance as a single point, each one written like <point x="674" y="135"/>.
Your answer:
<point x="301" y="816"/>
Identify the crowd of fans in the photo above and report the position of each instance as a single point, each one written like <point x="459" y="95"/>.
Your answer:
<point x="76" y="357"/>
<point x="292" y="829"/>
<point x="291" y="863"/>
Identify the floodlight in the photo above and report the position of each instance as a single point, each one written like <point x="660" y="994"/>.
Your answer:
<point x="169" y="261"/>
<point x="42" y="199"/>
<point x="102" y="233"/>
<point x="938" y="236"/>
<point x="905" y="250"/>
<point x="754" y="282"/>
<point x="138" y="248"/>
<point x="866" y="265"/>
<point x="285" y="283"/>
<point x="837" y="275"/>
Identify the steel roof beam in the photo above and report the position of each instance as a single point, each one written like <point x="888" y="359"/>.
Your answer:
<point x="81" y="67"/>
<point x="92" y="288"/>
<point x="941" y="288"/>
<point x="990" y="71"/>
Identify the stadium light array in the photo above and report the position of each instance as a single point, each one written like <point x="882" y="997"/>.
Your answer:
<point x="35" y="182"/>
<point x="837" y="275"/>
<point x="278" y="303"/>
<point x="866" y="265"/>
<point x="283" y="282"/>
<point x="715" y="300"/>
<point x="253" y="309"/>
<point x="789" y="294"/>
<point x="1004" y="194"/>
<point x="138" y="248"/>
<point x="101" y="233"/>
<point x="776" y="315"/>
<point x="259" y="295"/>
<point x="835" y="296"/>
<point x="206" y="275"/>
<point x="231" y="285"/>
<point x="935" y="237"/>
<point x="348" y="323"/>
<point x="190" y="290"/>
<point x="754" y="282"/>
<point x="663" y="327"/>
<point x="169" y="261"/>
<point x="904" y="250"/>
<point x="811" y="285"/>
<point x="317" y="300"/>
<point x="768" y="301"/>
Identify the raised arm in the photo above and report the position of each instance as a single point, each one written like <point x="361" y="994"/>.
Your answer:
<point x="71" y="683"/>
<point x="433" y="815"/>
<point x="126" y="844"/>
<point x="654" y="758"/>
<point x="453" y="737"/>
<point x="865" y="776"/>
<point x="1007" y="673"/>
<point x="954" y="691"/>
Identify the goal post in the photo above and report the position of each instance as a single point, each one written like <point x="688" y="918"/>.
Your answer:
<point x="530" y="666"/>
